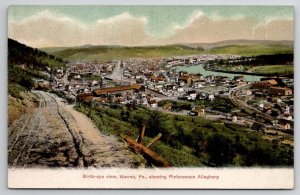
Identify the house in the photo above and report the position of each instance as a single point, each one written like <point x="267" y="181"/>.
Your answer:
<point x="170" y="87"/>
<point x="153" y="103"/>
<point x="238" y="78"/>
<point x="159" y="79"/>
<point x="211" y="97"/>
<point x="280" y="91"/>
<point x="197" y="77"/>
<point x="210" y="78"/>
<point x="180" y="89"/>
<point x="197" y="112"/>
<point x="246" y="92"/>
<point x="167" y="106"/>
<point x="234" y="119"/>
<point x="85" y="97"/>
<point x="192" y="95"/>
<point x="186" y="79"/>
<point x="276" y="100"/>
<point x="287" y="110"/>
<point x="197" y="85"/>
<point x="101" y="100"/>
<point x="77" y="76"/>
<point x="94" y="83"/>
<point x="287" y="117"/>
<point x="264" y="84"/>
<point x="285" y="124"/>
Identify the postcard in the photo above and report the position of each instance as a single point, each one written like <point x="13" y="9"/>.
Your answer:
<point x="151" y="97"/>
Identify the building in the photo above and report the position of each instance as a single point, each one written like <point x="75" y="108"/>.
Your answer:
<point x="238" y="78"/>
<point x="186" y="79"/>
<point x="280" y="91"/>
<point x="211" y="97"/>
<point x="167" y="106"/>
<point x="234" y="119"/>
<point x="264" y="84"/>
<point x="85" y="97"/>
<point x="192" y="95"/>
<point x="158" y="79"/>
<point x="117" y="90"/>
<point x="197" y="112"/>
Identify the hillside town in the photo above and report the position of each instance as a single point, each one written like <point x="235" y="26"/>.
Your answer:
<point x="93" y="88"/>
<point x="156" y="83"/>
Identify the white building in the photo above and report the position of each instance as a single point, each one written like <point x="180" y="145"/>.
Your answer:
<point x="211" y="97"/>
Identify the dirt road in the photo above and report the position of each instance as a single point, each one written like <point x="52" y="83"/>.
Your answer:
<point x="56" y="135"/>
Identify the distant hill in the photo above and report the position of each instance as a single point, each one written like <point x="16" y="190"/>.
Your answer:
<point x="239" y="47"/>
<point x="239" y="42"/>
<point x="119" y="52"/>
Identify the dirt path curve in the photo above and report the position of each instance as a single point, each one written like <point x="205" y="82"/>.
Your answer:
<point x="56" y="135"/>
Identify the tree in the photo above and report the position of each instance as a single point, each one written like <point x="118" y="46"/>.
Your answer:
<point x="154" y="123"/>
<point x="125" y="115"/>
<point x="219" y="149"/>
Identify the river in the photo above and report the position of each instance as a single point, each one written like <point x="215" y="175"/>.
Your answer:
<point x="200" y="69"/>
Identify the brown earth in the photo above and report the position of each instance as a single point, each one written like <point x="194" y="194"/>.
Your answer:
<point x="16" y="107"/>
<point x="53" y="134"/>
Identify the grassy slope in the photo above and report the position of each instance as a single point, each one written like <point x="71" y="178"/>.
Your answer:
<point x="109" y="123"/>
<point x="20" y="79"/>
<point x="193" y="141"/>
<point x="252" y="50"/>
<point x="274" y="69"/>
<point x="109" y="53"/>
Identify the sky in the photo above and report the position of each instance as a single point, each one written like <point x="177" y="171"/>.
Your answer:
<point x="61" y="26"/>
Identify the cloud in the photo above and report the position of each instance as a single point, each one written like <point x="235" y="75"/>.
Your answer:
<point x="204" y="29"/>
<point x="213" y="28"/>
<point x="123" y="29"/>
<point x="46" y="29"/>
<point x="277" y="29"/>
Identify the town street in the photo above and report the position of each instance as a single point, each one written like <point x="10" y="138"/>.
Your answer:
<point x="243" y="105"/>
<point x="117" y="73"/>
<point x="56" y="135"/>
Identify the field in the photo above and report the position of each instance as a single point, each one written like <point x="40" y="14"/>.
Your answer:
<point x="103" y="53"/>
<point x="251" y="50"/>
<point x="274" y="69"/>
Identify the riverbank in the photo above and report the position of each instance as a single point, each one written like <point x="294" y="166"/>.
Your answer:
<point x="250" y="73"/>
<point x="200" y="68"/>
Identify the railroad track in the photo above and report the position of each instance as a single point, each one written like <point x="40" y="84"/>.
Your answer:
<point x="23" y="137"/>
<point x="55" y="135"/>
<point x="77" y="139"/>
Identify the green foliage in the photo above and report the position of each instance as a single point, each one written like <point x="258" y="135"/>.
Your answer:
<point x="14" y="90"/>
<point x="118" y="52"/>
<point x="219" y="104"/>
<point x="252" y="50"/>
<point x="21" y="54"/>
<point x="177" y="157"/>
<point x="211" y="143"/>
<point x="17" y="78"/>
<point x="219" y="148"/>
<point x="275" y="69"/>
<point x="113" y="53"/>
<point x="36" y="61"/>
